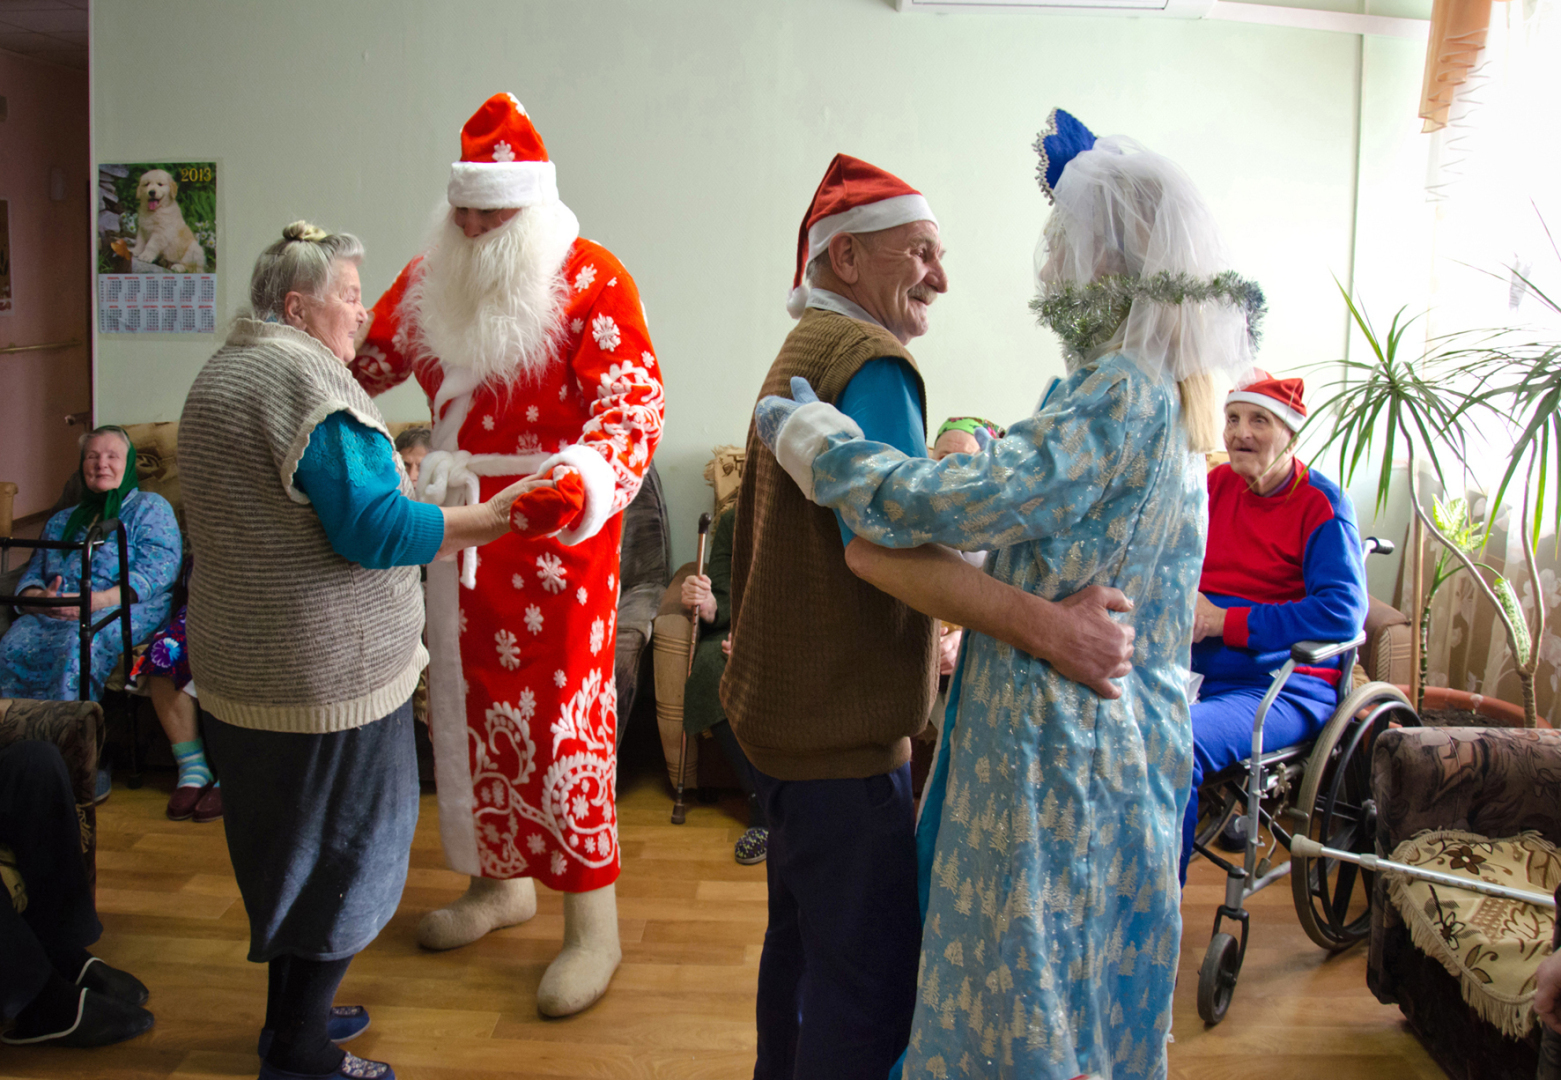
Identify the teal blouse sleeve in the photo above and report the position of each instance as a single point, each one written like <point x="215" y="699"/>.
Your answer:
<point x="351" y="478"/>
<point x="882" y="398"/>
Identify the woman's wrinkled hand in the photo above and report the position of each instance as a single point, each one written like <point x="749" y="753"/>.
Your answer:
<point x="52" y="592"/>
<point x="1208" y="620"/>
<point x="547" y="511"/>
<point x="500" y="504"/>
<point x="696" y="595"/>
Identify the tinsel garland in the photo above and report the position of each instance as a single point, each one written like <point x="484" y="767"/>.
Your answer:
<point x="1086" y="316"/>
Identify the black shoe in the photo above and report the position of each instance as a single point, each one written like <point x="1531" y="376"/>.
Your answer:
<point x="111" y="982"/>
<point x="100" y="1021"/>
<point x="1233" y="837"/>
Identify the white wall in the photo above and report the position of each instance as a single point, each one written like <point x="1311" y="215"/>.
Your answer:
<point x="690" y="134"/>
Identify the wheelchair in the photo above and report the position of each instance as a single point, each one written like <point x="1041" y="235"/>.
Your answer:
<point x="1322" y="789"/>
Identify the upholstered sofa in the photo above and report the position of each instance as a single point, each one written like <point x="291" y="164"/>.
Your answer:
<point x="1494" y="782"/>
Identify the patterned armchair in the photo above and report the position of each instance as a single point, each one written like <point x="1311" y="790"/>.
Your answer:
<point x="76" y="727"/>
<point x="1496" y="782"/>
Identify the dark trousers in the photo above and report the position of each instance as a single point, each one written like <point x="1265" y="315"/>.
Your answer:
<point x="38" y="822"/>
<point x="837" y="979"/>
<point x="744" y="769"/>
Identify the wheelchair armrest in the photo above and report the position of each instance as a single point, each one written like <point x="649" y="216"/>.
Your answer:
<point x="1315" y="652"/>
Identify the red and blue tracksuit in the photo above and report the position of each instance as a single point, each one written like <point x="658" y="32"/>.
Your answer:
<point x="1286" y="567"/>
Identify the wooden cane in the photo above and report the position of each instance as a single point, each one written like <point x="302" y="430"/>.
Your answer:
<point x="679" y="811"/>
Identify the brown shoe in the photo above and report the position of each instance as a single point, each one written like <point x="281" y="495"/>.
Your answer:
<point x="209" y="808"/>
<point x="181" y="804"/>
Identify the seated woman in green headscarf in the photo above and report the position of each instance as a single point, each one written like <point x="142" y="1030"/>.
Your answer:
<point x="40" y="655"/>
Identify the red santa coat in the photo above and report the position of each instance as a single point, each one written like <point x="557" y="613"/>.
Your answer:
<point x="523" y="703"/>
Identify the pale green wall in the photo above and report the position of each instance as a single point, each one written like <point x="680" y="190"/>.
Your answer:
<point x="690" y="134"/>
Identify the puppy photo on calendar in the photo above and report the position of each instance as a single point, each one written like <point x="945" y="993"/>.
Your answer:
<point x="161" y="233"/>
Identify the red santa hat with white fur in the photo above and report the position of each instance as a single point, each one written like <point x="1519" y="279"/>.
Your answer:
<point x="503" y="161"/>
<point x="853" y="197"/>
<point x="1282" y="397"/>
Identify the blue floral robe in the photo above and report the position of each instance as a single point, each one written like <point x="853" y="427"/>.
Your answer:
<point x="40" y="656"/>
<point x="1049" y="834"/>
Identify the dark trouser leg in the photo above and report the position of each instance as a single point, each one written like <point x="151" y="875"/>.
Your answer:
<point x="842" y="853"/>
<point x="298" y="1008"/>
<point x="744" y="769"/>
<point x="38" y="822"/>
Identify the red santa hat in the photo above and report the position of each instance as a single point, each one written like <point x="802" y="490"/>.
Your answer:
<point x="1282" y="397"/>
<point x="853" y="197"/>
<point x="503" y="162"/>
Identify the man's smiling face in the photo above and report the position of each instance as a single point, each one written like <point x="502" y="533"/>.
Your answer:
<point x="901" y="273"/>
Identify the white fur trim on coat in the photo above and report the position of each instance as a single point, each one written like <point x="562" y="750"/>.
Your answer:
<point x="600" y="486"/>
<point x="502" y="185"/>
<point x="805" y="435"/>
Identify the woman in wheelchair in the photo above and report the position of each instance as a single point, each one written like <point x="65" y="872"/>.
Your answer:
<point x="40" y="656"/>
<point x="1283" y="565"/>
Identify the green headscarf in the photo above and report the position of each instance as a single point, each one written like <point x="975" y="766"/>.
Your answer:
<point x="969" y="425"/>
<point x="101" y="505"/>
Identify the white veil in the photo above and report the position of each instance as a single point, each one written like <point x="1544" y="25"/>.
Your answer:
<point x="1131" y="234"/>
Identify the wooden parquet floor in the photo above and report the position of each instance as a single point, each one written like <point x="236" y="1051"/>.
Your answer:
<point x="681" y="1006"/>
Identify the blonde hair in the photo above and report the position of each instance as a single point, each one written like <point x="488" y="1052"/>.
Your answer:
<point x="1201" y="411"/>
<point x="303" y="261"/>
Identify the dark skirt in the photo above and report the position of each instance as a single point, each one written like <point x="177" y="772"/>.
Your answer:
<point x="319" y="830"/>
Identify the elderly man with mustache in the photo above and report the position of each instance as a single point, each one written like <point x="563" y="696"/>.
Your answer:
<point x="834" y="645"/>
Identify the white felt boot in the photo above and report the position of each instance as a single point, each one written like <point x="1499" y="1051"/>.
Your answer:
<point x="487" y="904"/>
<point x="581" y="972"/>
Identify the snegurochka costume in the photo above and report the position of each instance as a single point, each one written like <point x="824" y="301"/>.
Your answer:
<point x="1049" y="831"/>
<point x="522" y="645"/>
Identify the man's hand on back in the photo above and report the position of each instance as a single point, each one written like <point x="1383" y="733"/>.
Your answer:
<point x="1079" y="638"/>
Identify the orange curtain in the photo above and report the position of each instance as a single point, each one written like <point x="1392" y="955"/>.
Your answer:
<point x="1458" y="29"/>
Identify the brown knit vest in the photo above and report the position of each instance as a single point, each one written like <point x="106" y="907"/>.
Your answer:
<point x="829" y="677"/>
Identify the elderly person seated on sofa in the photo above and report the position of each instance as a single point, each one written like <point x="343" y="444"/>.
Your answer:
<point x="1283" y="565"/>
<point x="40" y="656"/>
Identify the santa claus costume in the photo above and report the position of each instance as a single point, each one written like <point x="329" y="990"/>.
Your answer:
<point x="531" y="345"/>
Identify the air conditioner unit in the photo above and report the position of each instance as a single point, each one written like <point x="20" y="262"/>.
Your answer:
<point x="1174" y="9"/>
<point x="1225" y="10"/>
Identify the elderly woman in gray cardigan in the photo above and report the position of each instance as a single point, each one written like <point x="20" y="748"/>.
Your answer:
<point x="305" y="635"/>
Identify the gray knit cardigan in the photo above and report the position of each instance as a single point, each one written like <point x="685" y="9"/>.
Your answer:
<point x="284" y="634"/>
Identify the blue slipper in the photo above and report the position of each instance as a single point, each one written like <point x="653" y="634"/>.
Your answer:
<point x="347" y="1022"/>
<point x="753" y="846"/>
<point x="353" y="1068"/>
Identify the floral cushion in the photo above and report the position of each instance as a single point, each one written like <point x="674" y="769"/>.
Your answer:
<point x="1492" y="945"/>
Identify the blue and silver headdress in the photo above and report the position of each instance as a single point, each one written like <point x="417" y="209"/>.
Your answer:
<point x="1060" y="141"/>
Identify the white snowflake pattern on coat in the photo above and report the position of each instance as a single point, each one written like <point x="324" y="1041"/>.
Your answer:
<point x="550" y="569"/>
<point x="584" y="278"/>
<point x="534" y="619"/>
<point x="508" y="650"/>
<point x="605" y="330"/>
<point x="598" y="634"/>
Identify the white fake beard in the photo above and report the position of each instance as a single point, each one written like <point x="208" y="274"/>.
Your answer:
<point x="495" y="305"/>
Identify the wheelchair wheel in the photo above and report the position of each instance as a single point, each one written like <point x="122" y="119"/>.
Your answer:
<point x="1336" y="797"/>
<point x="1217" y="978"/>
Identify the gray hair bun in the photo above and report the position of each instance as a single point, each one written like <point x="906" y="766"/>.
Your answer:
<point x="305" y="231"/>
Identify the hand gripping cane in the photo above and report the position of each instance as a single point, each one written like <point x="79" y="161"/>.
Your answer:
<point x="679" y="811"/>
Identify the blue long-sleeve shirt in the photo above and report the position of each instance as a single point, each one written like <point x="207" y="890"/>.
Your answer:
<point x="1286" y="567"/>
<point x="350" y="476"/>
<point x="882" y="398"/>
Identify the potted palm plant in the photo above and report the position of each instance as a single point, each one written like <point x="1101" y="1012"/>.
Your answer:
<point x="1423" y="407"/>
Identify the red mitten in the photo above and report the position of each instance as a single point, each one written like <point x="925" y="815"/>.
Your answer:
<point x="544" y="511"/>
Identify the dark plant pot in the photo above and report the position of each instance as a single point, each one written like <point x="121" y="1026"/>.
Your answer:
<point x="1498" y="713"/>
